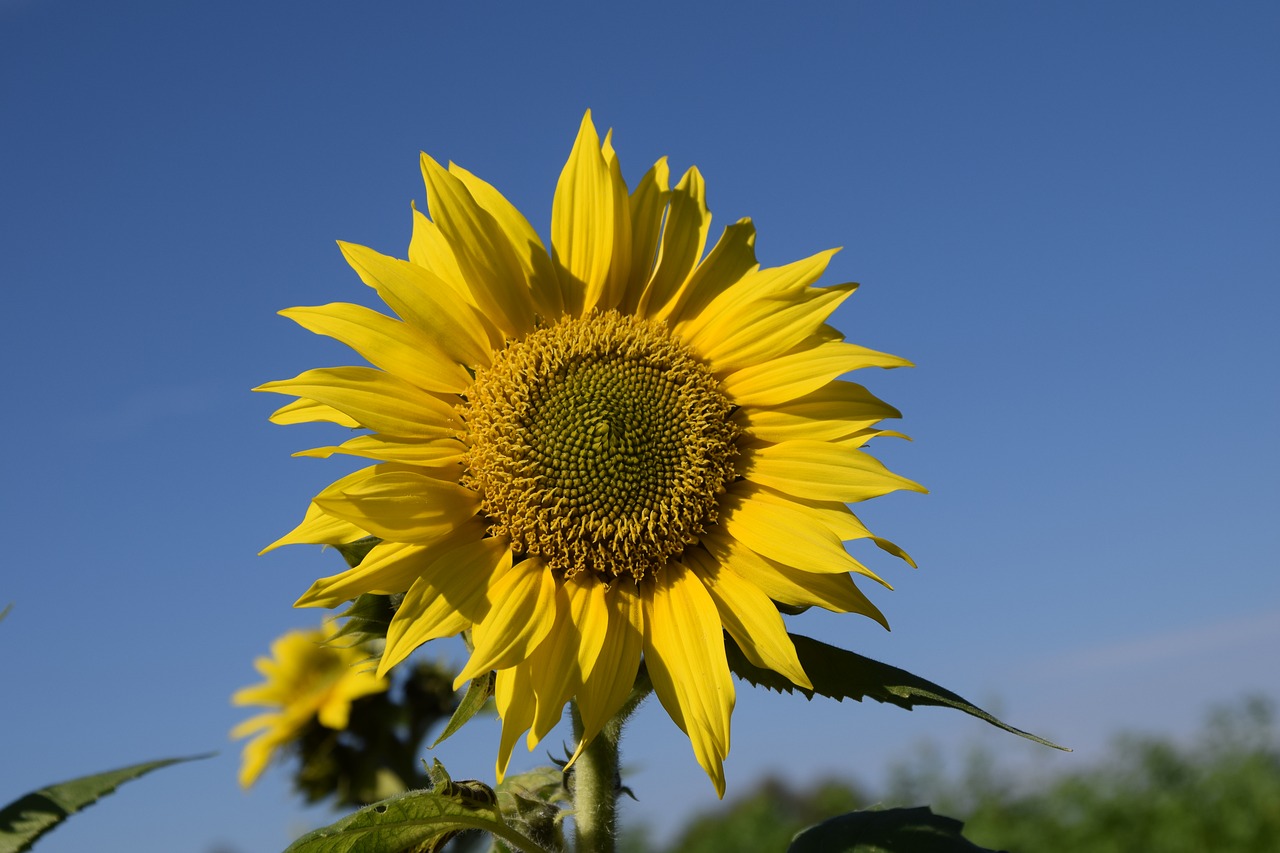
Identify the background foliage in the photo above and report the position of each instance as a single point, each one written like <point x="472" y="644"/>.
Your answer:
<point x="1218" y="792"/>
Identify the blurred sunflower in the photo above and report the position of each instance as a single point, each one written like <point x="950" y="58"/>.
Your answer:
<point x="307" y="680"/>
<point x="612" y="452"/>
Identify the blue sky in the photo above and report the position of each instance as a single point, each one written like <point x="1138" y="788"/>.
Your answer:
<point x="1065" y="213"/>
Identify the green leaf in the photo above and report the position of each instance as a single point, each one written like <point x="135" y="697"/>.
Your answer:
<point x="31" y="816"/>
<point x="5" y="612"/>
<point x="916" y="830"/>
<point x="841" y="674"/>
<point x="417" y="822"/>
<point x="478" y="692"/>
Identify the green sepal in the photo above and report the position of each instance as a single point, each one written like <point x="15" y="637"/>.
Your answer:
<point x="529" y="802"/>
<point x="418" y="821"/>
<point x="545" y="784"/>
<point x="841" y="674"/>
<point x="366" y="618"/>
<point x="32" y="815"/>
<point x="478" y="692"/>
<point x="916" y="830"/>
<point x="354" y="552"/>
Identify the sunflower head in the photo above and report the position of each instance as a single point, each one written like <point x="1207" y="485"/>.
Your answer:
<point x="306" y="680"/>
<point x="619" y="449"/>
<point x="599" y="444"/>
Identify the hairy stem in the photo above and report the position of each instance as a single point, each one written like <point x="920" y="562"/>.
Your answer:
<point x="596" y="778"/>
<point x="595" y="789"/>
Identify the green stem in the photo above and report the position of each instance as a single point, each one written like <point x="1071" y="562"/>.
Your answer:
<point x="596" y="778"/>
<point x="595" y="790"/>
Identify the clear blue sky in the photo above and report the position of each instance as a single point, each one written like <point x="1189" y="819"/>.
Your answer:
<point x="1067" y="214"/>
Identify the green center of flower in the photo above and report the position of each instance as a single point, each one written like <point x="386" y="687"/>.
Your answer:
<point x="599" y="444"/>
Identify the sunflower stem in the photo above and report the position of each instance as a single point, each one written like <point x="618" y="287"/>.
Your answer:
<point x="597" y="777"/>
<point x="596" y="783"/>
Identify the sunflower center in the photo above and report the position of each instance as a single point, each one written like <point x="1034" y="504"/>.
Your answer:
<point x="599" y="444"/>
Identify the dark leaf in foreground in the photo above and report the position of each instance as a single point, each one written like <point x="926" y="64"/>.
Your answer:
<point x="31" y="816"/>
<point x="916" y="830"/>
<point x="841" y="674"/>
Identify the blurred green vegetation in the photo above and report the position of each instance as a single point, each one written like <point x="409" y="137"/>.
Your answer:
<point x="1219" y="791"/>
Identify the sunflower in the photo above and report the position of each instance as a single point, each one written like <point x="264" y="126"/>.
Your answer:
<point x="307" y="680"/>
<point x="607" y="454"/>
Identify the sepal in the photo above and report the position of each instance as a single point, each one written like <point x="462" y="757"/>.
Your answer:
<point x="479" y="691"/>
<point x="367" y="618"/>
<point x="354" y="552"/>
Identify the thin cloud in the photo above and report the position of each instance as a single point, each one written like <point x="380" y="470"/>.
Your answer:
<point x="1169" y="646"/>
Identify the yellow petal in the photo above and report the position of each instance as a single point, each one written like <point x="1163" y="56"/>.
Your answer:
<point x="796" y="374"/>
<point x="788" y="585"/>
<point x="390" y="567"/>
<point x="768" y="328"/>
<point x="516" y="704"/>
<point x="732" y="257"/>
<point x="303" y="411"/>
<point x="743" y="302"/>
<point x="684" y="236"/>
<point x="269" y="692"/>
<point x="254" y="723"/>
<point x="860" y="438"/>
<point x="429" y="249"/>
<point x="833" y="411"/>
<point x="749" y="617"/>
<point x="890" y="548"/>
<point x="620" y="260"/>
<point x="320" y="528"/>
<point x="522" y="611"/>
<point x="424" y="300"/>
<point x="646" y="205"/>
<point x="535" y="263"/>
<point x="553" y="666"/>
<point x="684" y="652"/>
<point x="396" y="347"/>
<point x="833" y="515"/>
<point x="582" y="222"/>
<point x="450" y="596"/>
<point x="377" y="400"/>
<point x="822" y="471"/>
<point x="430" y="453"/>
<point x="836" y="517"/>
<point x="482" y="249"/>
<point x="335" y="712"/>
<point x="403" y="506"/>
<point x="785" y="534"/>
<point x="609" y="675"/>
<point x="761" y="318"/>
<point x="258" y="752"/>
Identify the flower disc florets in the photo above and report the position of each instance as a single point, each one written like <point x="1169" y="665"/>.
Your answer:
<point x="600" y="444"/>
